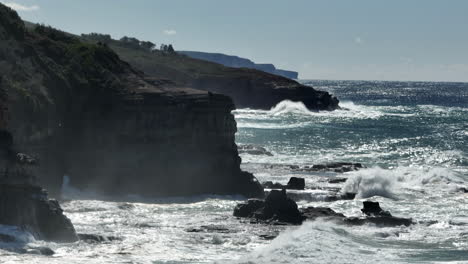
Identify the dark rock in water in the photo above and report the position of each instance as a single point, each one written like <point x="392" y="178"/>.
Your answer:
<point x="337" y="180"/>
<point x="211" y="229"/>
<point x="312" y="213"/>
<point x="45" y="251"/>
<point x="388" y="221"/>
<point x="338" y="167"/>
<point x="340" y="196"/>
<point x="347" y="196"/>
<point x="373" y="209"/>
<point x="248" y="209"/>
<point x="296" y="183"/>
<point x="277" y="207"/>
<point x="92" y="238"/>
<point x="463" y="189"/>
<point x="7" y="238"/>
<point x="253" y="150"/>
<point x="272" y="185"/>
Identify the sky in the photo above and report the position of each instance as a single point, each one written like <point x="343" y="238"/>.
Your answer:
<point x="420" y="40"/>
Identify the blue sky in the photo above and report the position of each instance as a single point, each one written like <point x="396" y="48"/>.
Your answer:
<point x="322" y="39"/>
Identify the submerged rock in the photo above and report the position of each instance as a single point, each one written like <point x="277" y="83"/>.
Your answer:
<point x="338" y="167"/>
<point x="253" y="150"/>
<point x="92" y="238"/>
<point x="294" y="183"/>
<point x="45" y="251"/>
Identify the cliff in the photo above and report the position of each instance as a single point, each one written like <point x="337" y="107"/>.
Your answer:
<point x="89" y="115"/>
<point x="249" y="88"/>
<point x="238" y="62"/>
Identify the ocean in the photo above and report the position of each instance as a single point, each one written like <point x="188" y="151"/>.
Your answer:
<point x="412" y="138"/>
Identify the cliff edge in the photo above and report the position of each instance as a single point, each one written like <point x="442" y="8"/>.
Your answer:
<point x="89" y="115"/>
<point x="249" y="88"/>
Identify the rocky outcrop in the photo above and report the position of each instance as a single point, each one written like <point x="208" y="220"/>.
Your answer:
<point x="249" y="88"/>
<point x="278" y="208"/>
<point x="23" y="203"/>
<point x="237" y="62"/>
<point x="89" y="115"/>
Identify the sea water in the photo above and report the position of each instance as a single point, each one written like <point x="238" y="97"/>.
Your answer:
<point x="412" y="137"/>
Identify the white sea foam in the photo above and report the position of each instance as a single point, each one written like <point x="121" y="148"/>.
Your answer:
<point x="321" y="242"/>
<point x="389" y="182"/>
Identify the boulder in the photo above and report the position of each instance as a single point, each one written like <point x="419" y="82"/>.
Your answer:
<point x="373" y="209"/>
<point x="296" y="183"/>
<point x="248" y="209"/>
<point x="277" y="208"/>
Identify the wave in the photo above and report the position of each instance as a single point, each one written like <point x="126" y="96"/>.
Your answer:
<point x="322" y="242"/>
<point x="274" y="117"/>
<point x="389" y="182"/>
<point x="288" y="107"/>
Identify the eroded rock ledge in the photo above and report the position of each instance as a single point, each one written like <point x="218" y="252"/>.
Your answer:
<point x="23" y="203"/>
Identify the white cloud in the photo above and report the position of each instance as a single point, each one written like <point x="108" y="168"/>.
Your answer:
<point x="20" y="7"/>
<point x="170" y="32"/>
<point x="358" y="40"/>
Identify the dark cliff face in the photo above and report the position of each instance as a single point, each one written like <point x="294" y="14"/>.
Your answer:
<point x="247" y="87"/>
<point x="89" y="115"/>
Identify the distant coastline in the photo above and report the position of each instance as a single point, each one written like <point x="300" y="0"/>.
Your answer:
<point x="238" y="62"/>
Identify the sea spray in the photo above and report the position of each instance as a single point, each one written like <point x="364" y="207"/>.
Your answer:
<point x="389" y="183"/>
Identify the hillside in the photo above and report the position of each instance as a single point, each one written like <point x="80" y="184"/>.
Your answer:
<point x="249" y="88"/>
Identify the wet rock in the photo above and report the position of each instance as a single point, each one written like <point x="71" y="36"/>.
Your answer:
<point x="45" y="251"/>
<point x="338" y="167"/>
<point x="296" y="183"/>
<point x="337" y="180"/>
<point x="373" y="209"/>
<point x="253" y="150"/>
<point x="272" y="185"/>
<point x="249" y="208"/>
<point x="92" y="238"/>
<point x="277" y="208"/>
<point x="211" y="229"/>
<point x="312" y="213"/>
